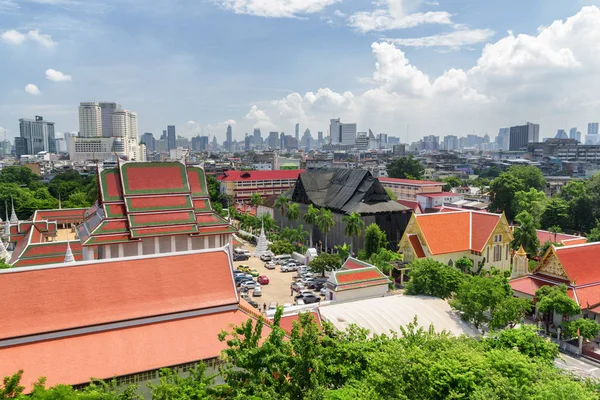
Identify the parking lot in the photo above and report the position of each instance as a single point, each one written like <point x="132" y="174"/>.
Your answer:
<point x="278" y="290"/>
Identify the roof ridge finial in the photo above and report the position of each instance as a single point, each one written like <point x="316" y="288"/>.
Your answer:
<point x="69" y="258"/>
<point x="7" y="221"/>
<point x="13" y="216"/>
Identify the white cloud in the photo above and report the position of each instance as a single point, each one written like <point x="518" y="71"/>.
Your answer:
<point x="340" y="14"/>
<point x="259" y="118"/>
<point x="275" y="8"/>
<point x="57" y="76"/>
<point x="464" y="37"/>
<point x="191" y="122"/>
<point x="547" y="78"/>
<point x="32" y="89"/>
<point x="16" y="38"/>
<point x="395" y="17"/>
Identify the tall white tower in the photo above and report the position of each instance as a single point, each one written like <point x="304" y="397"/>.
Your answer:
<point x="90" y="120"/>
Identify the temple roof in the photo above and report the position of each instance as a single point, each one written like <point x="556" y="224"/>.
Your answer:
<point x="356" y="274"/>
<point x="147" y="199"/>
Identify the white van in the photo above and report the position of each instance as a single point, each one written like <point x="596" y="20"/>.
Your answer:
<point x="281" y="258"/>
<point x="238" y="251"/>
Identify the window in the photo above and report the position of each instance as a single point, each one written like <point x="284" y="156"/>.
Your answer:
<point x="497" y="252"/>
<point x="507" y="247"/>
<point x="497" y="238"/>
<point x="488" y="254"/>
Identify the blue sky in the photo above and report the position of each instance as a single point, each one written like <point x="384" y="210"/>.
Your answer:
<point x="269" y="64"/>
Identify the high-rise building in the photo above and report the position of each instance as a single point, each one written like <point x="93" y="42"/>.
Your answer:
<point x="431" y="142"/>
<point x="523" y="134"/>
<point x="320" y="138"/>
<point x="335" y="131"/>
<point x="282" y="141"/>
<point x="229" y="139"/>
<point x="149" y="141"/>
<point x="450" y="142"/>
<point x="298" y="132"/>
<point x="348" y="133"/>
<point x="306" y="142"/>
<point x="106" y="111"/>
<point x="171" y="137"/>
<point x="362" y="141"/>
<point x="258" y="141"/>
<point x="561" y="134"/>
<point x="90" y="120"/>
<point x="273" y="140"/>
<point x="503" y="139"/>
<point x="200" y="143"/>
<point x="592" y="128"/>
<point x="575" y="134"/>
<point x="35" y="135"/>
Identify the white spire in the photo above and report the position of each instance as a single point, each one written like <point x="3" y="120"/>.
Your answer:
<point x="262" y="243"/>
<point x="6" y="222"/>
<point x="69" y="258"/>
<point x="3" y="252"/>
<point x="59" y="202"/>
<point x="13" y="216"/>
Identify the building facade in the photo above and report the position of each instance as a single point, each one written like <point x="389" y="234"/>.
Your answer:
<point x="408" y="189"/>
<point x="35" y="135"/>
<point x="241" y="185"/>
<point x="90" y="120"/>
<point x="521" y="135"/>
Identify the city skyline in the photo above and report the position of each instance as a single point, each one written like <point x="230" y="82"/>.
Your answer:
<point x="425" y="65"/>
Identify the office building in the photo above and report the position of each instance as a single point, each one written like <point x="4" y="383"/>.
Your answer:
<point x="200" y="143"/>
<point x="592" y="128"/>
<point x="523" y="134"/>
<point x="561" y="134"/>
<point x="320" y="138"/>
<point x="431" y="143"/>
<point x="451" y="143"/>
<point x="348" y="133"/>
<point x="273" y="140"/>
<point x="107" y="110"/>
<point x="241" y="185"/>
<point x="575" y="134"/>
<point x="503" y="139"/>
<point x="90" y="120"/>
<point x="399" y="150"/>
<point x="335" y="131"/>
<point x="35" y="135"/>
<point x="171" y="137"/>
<point x="306" y="142"/>
<point x="298" y="132"/>
<point x="391" y="140"/>
<point x="149" y="141"/>
<point x="362" y="141"/>
<point x="229" y="139"/>
<point x="258" y="141"/>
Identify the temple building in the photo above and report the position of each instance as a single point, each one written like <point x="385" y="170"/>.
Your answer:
<point x="448" y="236"/>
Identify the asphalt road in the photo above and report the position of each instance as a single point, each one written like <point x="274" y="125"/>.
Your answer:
<point x="579" y="366"/>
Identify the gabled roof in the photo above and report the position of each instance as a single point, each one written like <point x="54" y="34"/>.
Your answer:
<point x="416" y="245"/>
<point x="581" y="262"/>
<point x="66" y="296"/>
<point x="450" y="232"/>
<point x="562" y="238"/>
<point x="344" y="191"/>
<point x="356" y="274"/>
<point x="237" y="176"/>
<point x="355" y="263"/>
<point x="414" y="205"/>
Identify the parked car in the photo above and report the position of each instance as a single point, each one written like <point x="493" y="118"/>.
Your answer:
<point x="288" y="268"/>
<point x="266" y="257"/>
<point x="240" y="257"/>
<point x="297" y="286"/>
<point x="273" y="305"/>
<point x="263" y="280"/>
<point x="308" y="298"/>
<point x="237" y="271"/>
<point x="304" y="292"/>
<point x="254" y="272"/>
<point x="316" y="286"/>
<point x="244" y="268"/>
<point x="249" y="284"/>
<point x="323" y="291"/>
<point x="253" y="303"/>
<point x="286" y="305"/>
<point x="243" y="278"/>
<point x="270" y="265"/>
<point x="244" y="295"/>
<point x="257" y="292"/>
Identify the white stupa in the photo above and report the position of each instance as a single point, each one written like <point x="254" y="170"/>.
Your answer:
<point x="262" y="244"/>
<point x="3" y="252"/>
<point x="13" y="217"/>
<point x="69" y="257"/>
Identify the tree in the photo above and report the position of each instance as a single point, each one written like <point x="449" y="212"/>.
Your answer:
<point x="391" y="194"/>
<point x="21" y="176"/>
<point x="594" y="235"/>
<point x="556" y="213"/>
<point x="529" y="175"/>
<point x="293" y="212"/>
<point x="464" y="264"/>
<point x="78" y="199"/>
<point x="282" y="247"/>
<point x="586" y="327"/>
<point x="510" y="311"/>
<point x="451" y="182"/>
<point x="353" y="228"/>
<point x="343" y="251"/>
<point x="256" y="200"/>
<point x="171" y="386"/>
<point x="525" y="234"/>
<point x="526" y="340"/>
<point x="311" y="218"/>
<point x="555" y="230"/>
<point x="375" y="239"/>
<point x="554" y="299"/>
<point x="325" y="262"/>
<point x="383" y="260"/>
<point x="503" y="195"/>
<point x="282" y="203"/>
<point x="532" y="201"/>
<point x="325" y="223"/>
<point x="546" y="246"/>
<point x="406" y="168"/>
<point x="432" y="278"/>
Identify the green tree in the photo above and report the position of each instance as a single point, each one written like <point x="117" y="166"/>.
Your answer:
<point x="353" y="228"/>
<point x="77" y="199"/>
<point x="510" y="311"/>
<point x="594" y="235"/>
<point x="282" y="204"/>
<point x="325" y="262"/>
<point x="171" y="386"/>
<point x="343" y="251"/>
<point x="464" y="264"/>
<point x="256" y="200"/>
<point x="525" y="234"/>
<point x="391" y="194"/>
<point x="282" y="247"/>
<point x="451" y="182"/>
<point x="503" y="195"/>
<point x="325" y="222"/>
<point x="311" y="218"/>
<point x="21" y="176"/>
<point x="552" y="300"/>
<point x="529" y="175"/>
<point x="432" y="278"/>
<point x="293" y="212"/>
<point x="587" y="328"/>
<point x="526" y="340"/>
<point x="556" y="213"/>
<point x="375" y="239"/>
<point x="534" y="202"/>
<point x="384" y="259"/>
<point x="555" y="230"/>
<point x="406" y="168"/>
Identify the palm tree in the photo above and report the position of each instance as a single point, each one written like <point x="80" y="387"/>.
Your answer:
<point x="354" y="227"/>
<point x="325" y="222"/>
<point x="282" y="202"/>
<point x="555" y="229"/>
<point x="343" y="251"/>
<point x="293" y="212"/>
<point x="256" y="200"/>
<point x="310" y="218"/>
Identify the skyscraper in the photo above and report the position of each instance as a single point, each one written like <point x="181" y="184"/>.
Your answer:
<point x="35" y="135"/>
<point x="229" y="138"/>
<point x="450" y="142"/>
<point x="90" y="120"/>
<point x="561" y="134"/>
<point x="298" y="132"/>
<point x="149" y="141"/>
<point x="523" y="134"/>
<point x="319" y="138"/>
<point x="335" y="131"/>
<point x="257" y="138"/>
<point x="503" y="138"/>
<point x="106" y="112"/>
<point x="592" y="128"/>
<point x="124" y="124"/>
<point x="273" y="140"/>
<point x="342" y="133"/>
<point x="575" y="134"/>
<point x="171" y="137"/>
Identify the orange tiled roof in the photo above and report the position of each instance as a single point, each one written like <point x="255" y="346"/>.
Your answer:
<point x="73" y="360"/>
<point x="546" y="236"/>
<point x="84" y="294"/>
<point x="580" y="262"/>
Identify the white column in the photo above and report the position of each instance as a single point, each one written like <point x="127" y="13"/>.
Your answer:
<point x="217" y="240"/>
<point x="189" y="243"/>
<point x="121" y="250"/>
<point x="173" y="245"/>
<point x="106" y="249"/>
<point x="156" y="245"/>
<point x="206" y="242"/>
<point x="140" y="249"/>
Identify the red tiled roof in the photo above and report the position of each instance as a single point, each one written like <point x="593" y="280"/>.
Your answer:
<point x="410" y="181"/>
<point x="545" y="236"/>
<point x="160" y="231"/>
<point x="111" y="185"/>
<point x="441" y="194"/>
<point x="260" y="175"/>
<point x="66" y="214"/>
<point x="287" y="323"/>
<point x="78" y="295"/>
<point x="197" y="182"/>
<point x="154" y="178"/>
<point x="202" y="205"/>
<point x="414" y="205"/>
<point x="354" y="276"/>
<point x="154" y="203"/>
<point x="353" y="263"/>
<point x="573" y="242"/>
<point x="160" y="219"/>
<point x="483" y="225"/>
<point x="416" y="245"/>
<point x="527" y="285"/>
<point x="580" y="262"/>
<point x="118" y="352"/>
<point x="588" y="296"/>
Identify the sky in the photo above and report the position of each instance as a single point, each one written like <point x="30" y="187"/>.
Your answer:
<point x="408" y="68"/>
